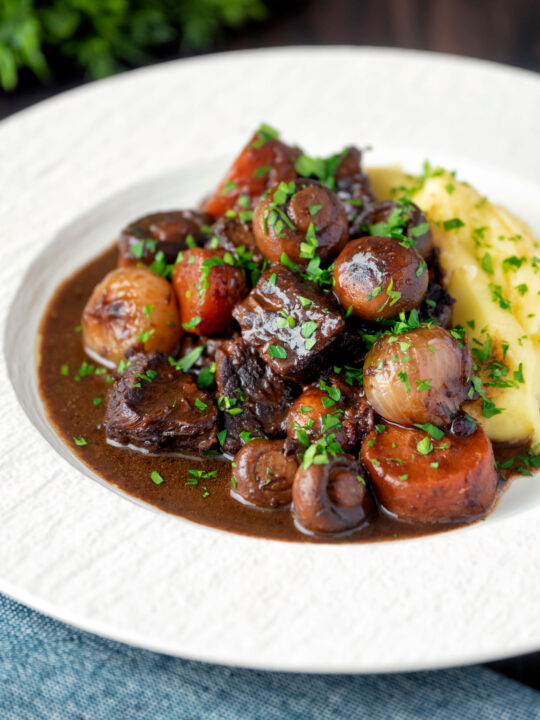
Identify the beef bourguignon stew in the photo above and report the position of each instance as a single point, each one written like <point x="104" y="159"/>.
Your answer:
<point x="279" y="361"/>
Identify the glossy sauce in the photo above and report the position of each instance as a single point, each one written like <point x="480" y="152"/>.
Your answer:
<point x="71" y="410"/>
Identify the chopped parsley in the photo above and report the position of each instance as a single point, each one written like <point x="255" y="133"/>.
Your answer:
<point x="206" y="377"/>
<point x="487" y="263"/>
<point x="192" y="323"/>
<point x="228" y="187"/>
<point x="277" y="351"/>
<point x="402" y="375"/>
<point x="513" y="263"/>
<point x="323" y="169"/>
<point x="261" y="171"/>
<point x="80" y="441"/>
<point x="137" y="250"/>
<point x="376" y="291"/>
<point x="424" y="446"/>
<point x="284" y="260"/>
<point x="308" y="248"/>
<point x="264" y="134"/>
<point x="498" y="297"/>
<point x="189" y="360"/>
<point x="432" y="430"/>
<point x="308" y="328"/>
<point x="145" y="335"/>
<point x="156" y="478"/>
<point x="222" y="434"/>
<point x="453" y="224"/>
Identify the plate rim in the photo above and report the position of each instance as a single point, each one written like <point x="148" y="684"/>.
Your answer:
<point x="124" y="636"/>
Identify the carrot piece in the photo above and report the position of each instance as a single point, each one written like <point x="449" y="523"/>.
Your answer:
<point x="421" y="479"/>
<point x="207" y="289"/>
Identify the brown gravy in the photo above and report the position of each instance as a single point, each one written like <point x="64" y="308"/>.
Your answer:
<point x="71" y="409"/>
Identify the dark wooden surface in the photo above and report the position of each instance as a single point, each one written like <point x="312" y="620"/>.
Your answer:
<point x="505" y="31"/>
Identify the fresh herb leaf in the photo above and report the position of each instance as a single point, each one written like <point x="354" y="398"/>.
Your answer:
<point x="277" y="351"/>
<point x="156" y="478"/>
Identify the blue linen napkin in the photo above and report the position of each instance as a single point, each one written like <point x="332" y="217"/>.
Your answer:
<point x="49" y="670"/>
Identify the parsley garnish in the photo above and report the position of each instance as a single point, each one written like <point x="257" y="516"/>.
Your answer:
<point x="402" y="375"/>
<point x="192" y="323"/>
<point x="264" y="134"/>
<point x="156" y="478"/>
<point x="228" y="186"/>
<point x="424" y="446"/>
<point x="308" y="328"/>
<point x="453" y="224"/>
<point x="145" y="335"/>
<point x="277" y="351"/>
<point x="189" y="360"/>
<point x="487" y="263"/>
<point x="206" y="377"/>
<point x="137" y="250"/>
<point x="498" y="297"/>
<point x="432" y="430"/>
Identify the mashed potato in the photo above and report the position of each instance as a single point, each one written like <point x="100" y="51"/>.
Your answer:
<point x="491" y="264"/>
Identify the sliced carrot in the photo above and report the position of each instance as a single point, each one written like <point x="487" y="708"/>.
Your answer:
<point x="207" y="289"/>
<point x="421" y="479"/>
<point x="261" y="163"/>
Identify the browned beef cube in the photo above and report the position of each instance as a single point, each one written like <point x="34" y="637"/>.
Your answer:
<point x="253" y="398"/>
<point x="296" y="328"/>
<point x="155" y="407"/>
<point x="353" y="186"/>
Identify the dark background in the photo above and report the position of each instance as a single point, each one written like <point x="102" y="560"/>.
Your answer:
<point x="506" y="31"/>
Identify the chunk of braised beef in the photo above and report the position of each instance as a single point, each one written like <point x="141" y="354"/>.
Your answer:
<point x="352" y="184"/>
<point x="155" y="407"/>
<point x="253" y="398"/>
<point x="167" y="232"/>
<point x="397" y="218"/>
<point x="235" y="235"/>
<point x="358" y="418"/>
<point x="296" y="328"/>
<point x="437" y="306"/>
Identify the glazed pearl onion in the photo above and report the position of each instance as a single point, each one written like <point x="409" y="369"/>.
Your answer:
<point x="130" y="306"/>
<point x="418" y="377"/>
<point x="376" y="277"/>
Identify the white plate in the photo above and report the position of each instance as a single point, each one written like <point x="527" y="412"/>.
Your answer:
<point x="73" y="170"/>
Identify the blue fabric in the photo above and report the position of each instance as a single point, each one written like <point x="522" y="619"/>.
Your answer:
<point x="52" y="671"/>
